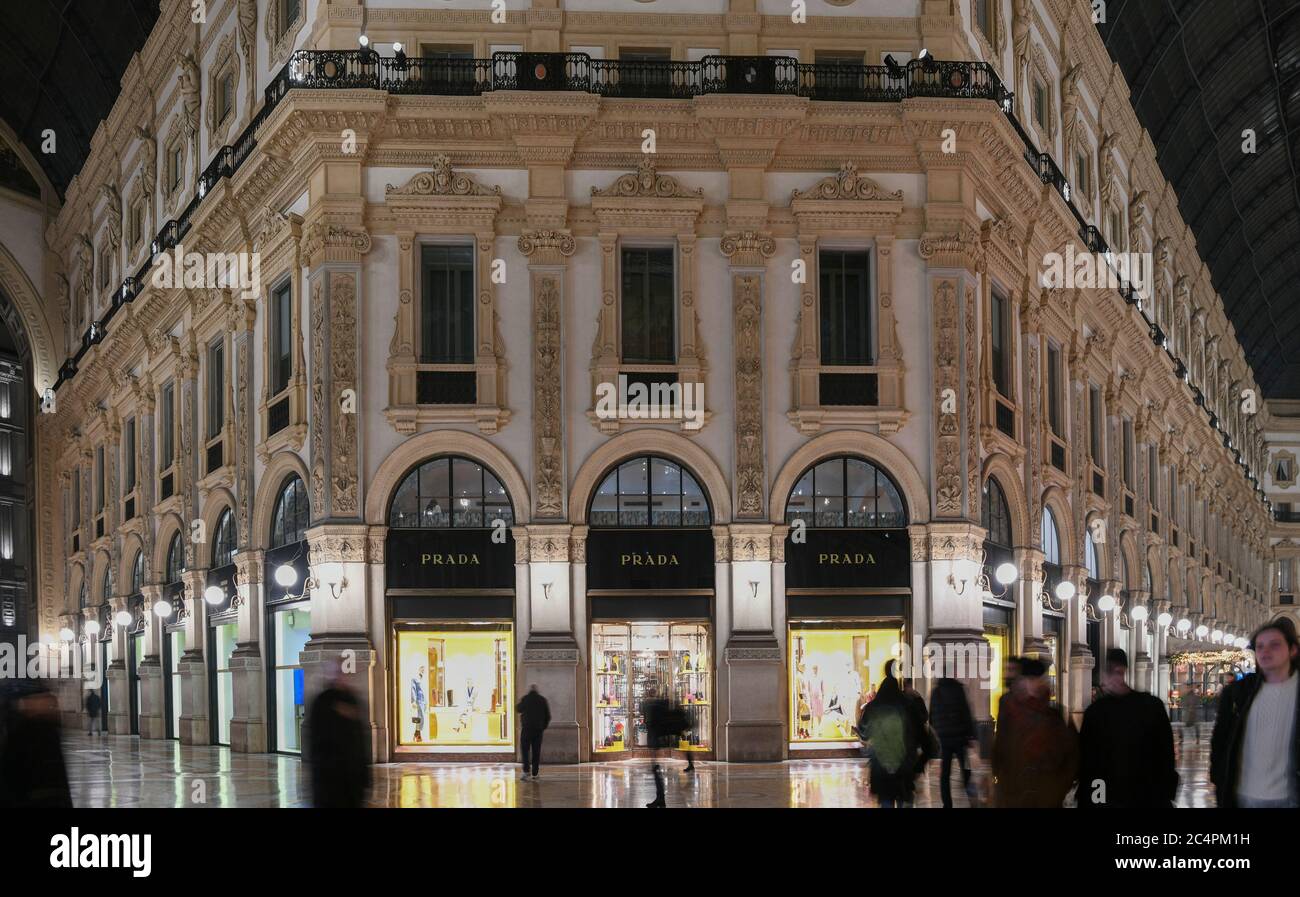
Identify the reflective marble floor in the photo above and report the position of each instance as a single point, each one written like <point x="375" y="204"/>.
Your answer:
<point x="123" y="771"/>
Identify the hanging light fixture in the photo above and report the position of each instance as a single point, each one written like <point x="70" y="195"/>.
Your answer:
<point x="1065" y="590"/>
<point x="214" y="594"/>
<point x="122" y="618"/>
<point x="162" y="608"/>
<point x="1139" y="613"/>
<point x="92" y="627"/>
<point x="285" y="575"/>
<point x="1007" y="573"/>
<point x="1106" y="603"/>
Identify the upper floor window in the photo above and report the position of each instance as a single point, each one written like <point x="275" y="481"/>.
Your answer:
<point x="450" y="492"/>
<point x="99" y="479"/>
<point x="176" y="166"/>
<point x="996" y="514"/>
<point x="216" y="388"/>
<point x="649" y="304"/>
<point x="128" y="456"/>
<point x="1115" y="229"/>
<point x="1284" y="576"/>
<point x="984" y="17"/>
<point x="76" y="497"/>
<point x="105" y="267"/>
<point x="137" y="572"/>
<point x="1000" y="324"/>
<point x="1095" y="427"/>
<point x="1081" y="180"/>
<point x="1050" y="537"/>
<point x="225" y="96"/>
<point x="106" y="585"/>
<point x="1153" y="476"/>
<point x="1054" y="378"/>
<point x="1040" y="103"/>
<point x="136" y="222"/>
<point x="289" y="11"/>
<point x="167" y="426"/>
<point x="223" y="541"/>
<point x="649" y="491"/>
<point x="291" y="513"/>
<point x="81" y="596"/>
<point x="281" y="337"/>
<point x="848" y="492"/>
<point x="447" y="305"/>
<point x="1091" y="558"/>
<point x="175" y="559"/>
<point x="845" y="306"/>
<point x="1129" y="453"/>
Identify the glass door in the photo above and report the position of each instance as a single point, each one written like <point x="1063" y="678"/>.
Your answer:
<point x="175" y="642"/>
<point x="290" y="630"/>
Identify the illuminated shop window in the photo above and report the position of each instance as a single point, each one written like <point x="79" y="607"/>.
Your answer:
<point x="649" y="491"/>
<point x="634" y="662"/>
<point x="450" y="492"/>
<point x="455" y="686"/>
<point x="834" y="673"/>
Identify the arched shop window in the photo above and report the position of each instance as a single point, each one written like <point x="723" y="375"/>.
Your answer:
<point x="848" y="492"/>
<point x="450" y="492"/>
<point x="292" y="510"/>
<point x="175" y="559"/>
<point x="997" y="516"/>
<point x="223" y="543"/>
<point x="137" y="573"/>
<point x="1051" y="540"/>
<point x="649" y="491"/>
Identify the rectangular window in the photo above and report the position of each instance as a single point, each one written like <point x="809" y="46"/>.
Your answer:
<point x="99" y="479"/>
<point x="845" y="307"/>
<point x="167" y="426"/>
<point x="1000" y="322"/>
<point x="1153" y="476"/>
<point x="128" y="456"/>
<point x="1095" y="425"/>
<point x="105" y="268"/>
<point x="177" y="166"/>
<point x="983" y="17"/>
<point x="216" y="388"/>
<point x="1284" y="578"/>
<point x="226" y="96"/>
<point x="447" y="305"/>
<point x="76" y="497"/>
<point x="1173" y="494"/>
<point x="1054" y="390"/>
<point x="1128" y="453"/>
<point x="289" y="14"/>
<point x="137" y="223"/>
<point x="649" y="306"/>
<point x="1040" y="103"/>
<point x="1081" y="172"/>
<point x="281" y="338"/>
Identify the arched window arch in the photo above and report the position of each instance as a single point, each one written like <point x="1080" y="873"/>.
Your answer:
<point x="106" y="586"/>
<point x="291" y="513"/>
<point x="450" y="492"/>
<point x="137" y="573"/>
<point x="223" y="541"/>
<point x="1091" y="557"/>
<point x="1126" y="560"/>
<point x="997" y="516"/>
<point x="846" y="492"/>
<point x="649" y="491"/>
<point x="175" y="559"/>
<point x="1051" y="538"/>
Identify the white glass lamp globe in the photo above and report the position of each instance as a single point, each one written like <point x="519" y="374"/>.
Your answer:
<point x="214" y="595"/>
<point x="1065" y="590"/>
<point x="1139" y="613"/>
<point x="122" y="618"/>
<point x="1165" y="619"/>
<point x="162" y="608"/>
<point x="1202" y="631"/>
<point x="92" y="627"/>
<point x="1184" y="625"/>
<point x="1106" y="603"/>
<point x="67" y="634"/>
<point x="1006" y="573"/>
<point x="285" y="575"/>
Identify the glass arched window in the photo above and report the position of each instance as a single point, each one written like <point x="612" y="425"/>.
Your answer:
<point x="175" y="559"/>
<point x="137" y="573"/>
<point x="847" y="492"/>
<point x="223" y="542"/>
<point x="1146" y="577"/>
<point x="997" y="516"/>
<point x="292" y="509"/>
<point x="450" y="492"/>
<point x="1091" y="557"/>
<point x="1051" y="539"/>
<point x="106" y="587"/>
<point x="1128" y="584"/>
<point x="81" y="595"/>
<point x="649" y="491"/>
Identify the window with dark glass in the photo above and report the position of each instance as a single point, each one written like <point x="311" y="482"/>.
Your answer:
<point x="984" y="17"/>
<point x="291" y="513"/>
<point x="106" y="586"/>
<point x="216" y="388"/>
<point x="177" y="166"/>
<point x="167" y="426"/>
<point x="649" y="491"/>
<point x="447" y="305"/>
<point x="1054" y="390"/>
<point x="226" y="97"/>
<point x="223" y="540"/>
<point x="1095" y="425"/>
<point x="1000" y="324"/>
<point x="1081" y="173"/>
<point x="289" y="10"/>
<point x="99" y="479"/>
<point x="1128" y="453"/>
<point x="281" y="337"/>
<point x="76" y="497"/>
<point x="128" y="456"/>
<point x="175" y="559"/>
<point x="1153" y="477"/>
<point x="1051" y="539"/>
<point x="137" y="222"/>
<point x="450" y="492"/>
<point x="848" y="492"/>
<point x="649" y="307"/>
<point x="1040" y="103"/>
<point x="996" y="514"/>
<point x="137" y="570"/>
<point x="845" y="306"/>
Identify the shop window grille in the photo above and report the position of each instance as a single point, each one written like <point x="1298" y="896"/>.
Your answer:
<point x="1006" y="418"/>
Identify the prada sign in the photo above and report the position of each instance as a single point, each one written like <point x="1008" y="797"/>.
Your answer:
<point x="449" y="559"/>
<point x="636" y="559"/>
<point x="848" y="558"/>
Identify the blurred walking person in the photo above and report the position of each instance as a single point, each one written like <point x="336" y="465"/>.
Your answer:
<point x="32" y="772"/>
<point x="664" y="723"/>
<point x="534" y="717"/>
<point x="951" y="718"/>
<point x="340" y="771"/>
<point x="1192" y="714"/>
<point x="1255" y="748"/>
<point x="892" y="729"/>
<point x="1126" y="746"/>
<point x="1035" y="753"/>
<point x="93" y="706"/>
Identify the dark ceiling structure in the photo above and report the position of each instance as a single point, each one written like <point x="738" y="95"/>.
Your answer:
<point x="1201" y="72"/>
<point x="61" y="65"/>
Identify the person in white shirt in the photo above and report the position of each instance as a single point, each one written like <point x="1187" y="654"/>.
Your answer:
<point x="1255" y="749"/>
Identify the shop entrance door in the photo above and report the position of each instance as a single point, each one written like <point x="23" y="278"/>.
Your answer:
<point x="634" y="662"/>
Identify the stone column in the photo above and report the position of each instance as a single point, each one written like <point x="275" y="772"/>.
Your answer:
<point x="1029" y="601"/>
<point x="551" y="656"/>
<point x="1139" y="656"/>
<point x="119" y="684"/>
<point x="954" y="645"/>
<point x="1078" y="691"/>
<point x="751" y="676"/>
<point x="1161" y="668"/>
<point x="195" y="727"/>
<point x="153" y="702"/>
<point x="248" y="717"/>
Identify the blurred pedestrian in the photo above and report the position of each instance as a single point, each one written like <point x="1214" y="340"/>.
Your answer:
<point x="893" y="730"/>
<point x="534" y="717"/>
<point x="1126" y="746"/>
<point x="32" y="772"/>
<point x="665" y="721"/>
<point x="340" y="770"/>
<point x="93" y="706"/>
<point x="1255" y="748"/>
<point x="1192" y="713"/>
<point x="954" y="724"/>
<point x="1035" y="753"/>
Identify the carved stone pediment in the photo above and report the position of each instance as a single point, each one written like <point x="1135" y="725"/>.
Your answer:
<point x="647" y="199"/>
<point x="847" y="184"/>
<point x="441" y="198"/>
<point x="442" y="181"/>
<point x="647" y="182"/>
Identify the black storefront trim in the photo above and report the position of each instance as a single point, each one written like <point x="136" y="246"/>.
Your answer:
<point x="855" y="606"/>
<point x="651" y="607"/>
<point x="451" y="607"/>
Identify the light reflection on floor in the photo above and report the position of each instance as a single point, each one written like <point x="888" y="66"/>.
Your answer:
<point x="122" y="771"/>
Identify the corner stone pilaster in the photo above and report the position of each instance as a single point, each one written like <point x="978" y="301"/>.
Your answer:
<point x="552" y="657"/>
<point x="153" y="704"/>
<point x="193" y="667"/>
<point x="751" y="687"/>
<point x="248" y="718"/>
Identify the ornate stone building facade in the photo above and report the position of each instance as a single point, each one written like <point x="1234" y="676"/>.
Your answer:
<point x="392" y="451"/>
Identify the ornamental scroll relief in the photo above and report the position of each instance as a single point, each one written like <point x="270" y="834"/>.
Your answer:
<point x="947" y="383"/>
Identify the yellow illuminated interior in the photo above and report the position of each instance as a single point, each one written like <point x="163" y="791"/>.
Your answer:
<point x="455" y="687"/>
<point x="833" y="674"/>
<point x="997" y="669"/>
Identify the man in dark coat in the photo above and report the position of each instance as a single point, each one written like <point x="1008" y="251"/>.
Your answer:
<point x="340" y="771"/>
<point x="534" y="717"/>
<point x="1126" y="746"/>
<point x="93" y="706"/>
<point x="951" y="719"/>
<point x="32" y="773"/>
<point x="1035" y="754"/>
<point x="1255" y="748"/>
<point x="892" y="729"/>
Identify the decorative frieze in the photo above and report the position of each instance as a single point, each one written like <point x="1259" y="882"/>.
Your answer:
<point x="548" y="406"/>
<point x="747" y="339"/>
<point x="947" y="389"/>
